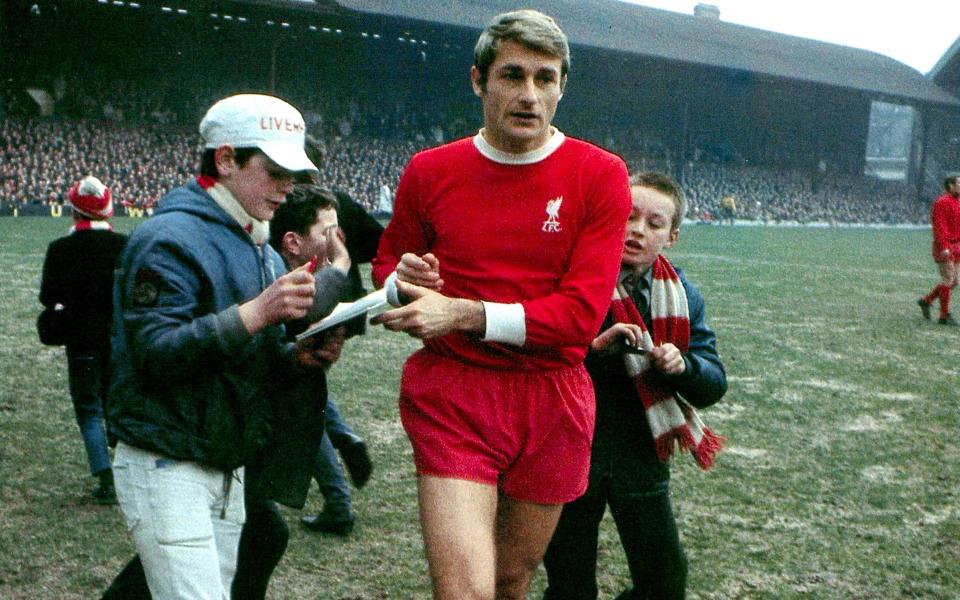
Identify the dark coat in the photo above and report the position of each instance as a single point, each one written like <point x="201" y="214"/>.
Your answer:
<point x="622" y="427"/>
<point x="78" y="273"/>
<point x="363" y="237"/>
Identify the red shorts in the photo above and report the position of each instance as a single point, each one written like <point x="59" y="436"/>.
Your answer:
<point x="528" y="432"/>
<point x="954" y="253"/>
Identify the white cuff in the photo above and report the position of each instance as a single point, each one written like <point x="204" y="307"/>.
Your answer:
<point x="390" y="287"/>
<point x="506" y="323"/>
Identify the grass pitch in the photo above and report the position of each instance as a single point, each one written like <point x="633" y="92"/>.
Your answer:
<point x="840" y="478"/>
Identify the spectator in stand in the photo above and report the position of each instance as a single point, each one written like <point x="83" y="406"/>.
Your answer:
<point x="78" y="278"/>
<point x="729" y="206"/>
<point x="945" y="222"/>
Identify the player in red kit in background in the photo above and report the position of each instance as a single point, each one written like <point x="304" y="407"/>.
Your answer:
<point x="506" y="248"/>
<point x="945" y="222"/>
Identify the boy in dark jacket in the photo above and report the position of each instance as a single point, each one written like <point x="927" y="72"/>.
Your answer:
<point x="203" y="366"/>
<point x="652" y="362"/>
<point x="311" y="223"/>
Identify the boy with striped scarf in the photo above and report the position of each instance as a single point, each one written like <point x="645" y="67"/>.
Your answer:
<point x="653" y="361"/>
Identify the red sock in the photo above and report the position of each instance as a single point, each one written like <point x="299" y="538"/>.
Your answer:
<point x="944" y="301"/>
<point x="934" y="294"/>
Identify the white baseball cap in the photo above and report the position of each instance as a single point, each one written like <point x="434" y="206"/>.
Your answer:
<point x="259" y="121"/>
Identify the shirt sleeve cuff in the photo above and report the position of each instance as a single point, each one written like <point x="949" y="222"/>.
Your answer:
<point x="506" y="323"/>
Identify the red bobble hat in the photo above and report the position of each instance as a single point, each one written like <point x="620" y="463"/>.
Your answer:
<point x="91" y="198"/>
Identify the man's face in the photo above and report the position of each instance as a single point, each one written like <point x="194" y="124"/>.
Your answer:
<point x="260" y="185"/>
<point x="954" y="188"/>
<point x="649" y="228"/>
<point x="314" y="243"/>
<point x="522" y="91"/>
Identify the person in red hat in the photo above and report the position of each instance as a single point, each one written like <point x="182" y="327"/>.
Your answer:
<point x="78" y="278"/>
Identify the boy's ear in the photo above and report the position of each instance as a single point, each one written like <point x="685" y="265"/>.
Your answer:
<point x="225" y="159"/>
<point x="291" y="243"/>
<point x="674" y="235"/>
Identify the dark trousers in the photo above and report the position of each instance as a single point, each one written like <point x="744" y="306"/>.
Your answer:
<point x="88" y="371"/>
<point x="648" y="532"/>
<point x="263" y="540"/>
<point x="337" y="501"/>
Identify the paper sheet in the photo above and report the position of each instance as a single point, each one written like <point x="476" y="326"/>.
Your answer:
<point x="372" y="302"/>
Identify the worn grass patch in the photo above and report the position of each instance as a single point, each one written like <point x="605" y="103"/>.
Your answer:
<point x="840" y="479"/>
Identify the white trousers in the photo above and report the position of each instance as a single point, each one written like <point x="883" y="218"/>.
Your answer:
<point x="185" y="521"/>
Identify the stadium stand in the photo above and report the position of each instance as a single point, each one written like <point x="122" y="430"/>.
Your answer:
<point x="124" y="108"/>
<point x="40" y="157"/>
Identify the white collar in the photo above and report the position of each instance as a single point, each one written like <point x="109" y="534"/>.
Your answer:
<point x="508" y="158"/>
<point x="258" y="230"/>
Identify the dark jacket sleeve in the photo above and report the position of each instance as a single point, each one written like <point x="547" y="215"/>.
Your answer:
<point x="363" y="238"/>
<point x="362" y="230"/>
<point x="50" y="292"/>
<point x="705" y="381"/>
<point x="172" y="337"/>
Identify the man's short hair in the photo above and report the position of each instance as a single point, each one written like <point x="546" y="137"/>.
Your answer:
<point x="299" y="212"/>
<point x="950" y="180"/>
<point x="534" y="30"/>
<point x="667" y="186"/>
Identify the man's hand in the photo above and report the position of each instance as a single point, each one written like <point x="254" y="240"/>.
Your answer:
<point x="668" y="359"/>
<point x="321" y="350"/>
<point x="429" y="314"/>
<point x="288" y="298"/>
<point x="423" y="271"/>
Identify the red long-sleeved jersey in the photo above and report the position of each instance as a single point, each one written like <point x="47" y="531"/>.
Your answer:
<point x="548" y="235"/>
<point x="945" y="223"/>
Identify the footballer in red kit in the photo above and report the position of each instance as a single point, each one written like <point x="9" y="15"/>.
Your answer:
<point x="945" y="225"/>
<point x="504" y="248"/>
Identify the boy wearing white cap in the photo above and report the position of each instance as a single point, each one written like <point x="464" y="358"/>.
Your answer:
<point x="77" y="276"/>
<point x="202" y="360"/>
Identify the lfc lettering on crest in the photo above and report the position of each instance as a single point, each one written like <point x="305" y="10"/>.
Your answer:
<point x="552" y="224"/>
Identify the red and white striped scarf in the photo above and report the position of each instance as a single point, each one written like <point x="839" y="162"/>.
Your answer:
<point x="673" y="421"/>
<point x="87" y="224"/>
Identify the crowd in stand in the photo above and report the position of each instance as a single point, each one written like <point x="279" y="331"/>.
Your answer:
<point x="41" y="158"/>
<point x="779" y="195"/>
<point x="141" y="149"/>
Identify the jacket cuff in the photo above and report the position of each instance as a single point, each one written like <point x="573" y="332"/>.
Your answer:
<point x="231" y="330"/>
